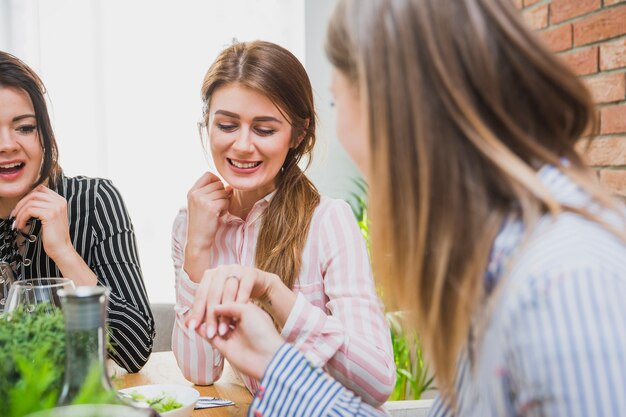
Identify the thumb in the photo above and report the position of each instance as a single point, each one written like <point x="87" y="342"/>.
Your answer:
<point x="219" y="343"/>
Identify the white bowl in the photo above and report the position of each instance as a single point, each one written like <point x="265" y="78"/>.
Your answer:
<point x="185" y="395"/>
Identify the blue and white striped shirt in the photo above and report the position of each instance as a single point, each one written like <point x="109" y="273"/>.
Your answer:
<point x="554" y="343"/>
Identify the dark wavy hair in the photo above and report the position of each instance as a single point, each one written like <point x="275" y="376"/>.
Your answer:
<point x="16" y="74"/>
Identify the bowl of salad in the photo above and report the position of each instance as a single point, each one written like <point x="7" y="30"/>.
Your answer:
<point x="168" y="400"/>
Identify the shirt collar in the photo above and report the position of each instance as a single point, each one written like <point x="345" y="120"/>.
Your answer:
<point x="256" y="211"/>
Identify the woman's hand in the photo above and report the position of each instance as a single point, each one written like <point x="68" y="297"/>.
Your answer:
<point x="207" y="201"/>
<point x="225" y="284"/>
<point x="252" y="340"/>
<point x="51" y="209"/>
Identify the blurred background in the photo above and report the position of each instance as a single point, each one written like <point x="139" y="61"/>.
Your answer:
<point x="123" y="81"/>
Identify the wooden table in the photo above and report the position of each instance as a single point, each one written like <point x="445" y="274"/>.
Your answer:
<point x="162" y="369"/>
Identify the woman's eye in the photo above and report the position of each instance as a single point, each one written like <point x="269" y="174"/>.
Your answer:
<point x="264" y="131"/>
<point x="26" y="129"/>
<point x="225" y="127"/>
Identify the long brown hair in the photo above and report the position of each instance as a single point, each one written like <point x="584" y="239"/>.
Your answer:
<point x="16" y="74"/>
<point x="464" y="104"/>
<point x="276" y="73"/>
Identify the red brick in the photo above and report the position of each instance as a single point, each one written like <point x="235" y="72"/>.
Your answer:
<point x="604" y="25"/>
<point x="613" y="55"/>
<point x="613" y="119"/>
<point x="583" y="61"/>
<point x="537" y="18"/>
<point x="611" y="2"/>
<point x="607" y="88"/>
<point x="614" y="180"/>
<point x="561" y="10"/>
<point x="558" y="39"/>
<point x="604" y="151"/>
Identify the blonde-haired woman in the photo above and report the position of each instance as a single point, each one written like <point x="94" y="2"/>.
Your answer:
<point x="269" y="236"/>
<point x="486" y="224"/>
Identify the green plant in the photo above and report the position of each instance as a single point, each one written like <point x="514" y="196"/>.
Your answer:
<point x="32" y="363"/>
<point x="32" y="356"/>
<point x="412" y="374"/>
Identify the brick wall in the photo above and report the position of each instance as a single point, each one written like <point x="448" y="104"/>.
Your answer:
<point x="590" y="35"/>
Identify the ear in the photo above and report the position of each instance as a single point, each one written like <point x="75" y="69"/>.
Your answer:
<point x="300" y="138"/>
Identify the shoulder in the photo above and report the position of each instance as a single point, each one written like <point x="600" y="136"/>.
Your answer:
<point x="333" y="208"/>
<point x="566" y="261"/>
<point x="83" y="185"/>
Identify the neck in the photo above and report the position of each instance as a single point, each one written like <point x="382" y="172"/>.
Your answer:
<point x="242" y="201"/>
<point x="7" y="205"/>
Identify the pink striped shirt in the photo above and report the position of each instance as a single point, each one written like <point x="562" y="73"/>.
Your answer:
<point x="337" y="321"/>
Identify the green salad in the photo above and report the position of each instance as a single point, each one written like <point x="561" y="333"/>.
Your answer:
<point x="161" y="403"/>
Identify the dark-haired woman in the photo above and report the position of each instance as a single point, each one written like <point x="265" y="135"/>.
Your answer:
<point x="52" y="225"/>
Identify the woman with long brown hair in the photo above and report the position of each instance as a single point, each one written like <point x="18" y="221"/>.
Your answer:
<point x="487" y="228"/>
<point x="268" y="236"/>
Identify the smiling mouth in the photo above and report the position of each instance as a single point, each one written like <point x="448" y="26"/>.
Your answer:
<point x="11" y="168"/>
<point x="244" y="165"/>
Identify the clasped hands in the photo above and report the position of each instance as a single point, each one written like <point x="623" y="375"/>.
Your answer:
<point x="224" y="314"/>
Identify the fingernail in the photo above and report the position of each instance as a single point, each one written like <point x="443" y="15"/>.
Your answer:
<point x="202" y="330"/>
<point x="192" y="325"/>
<point x="210" y="331"/>
<point x="223" y="329"/>
<point x="13" y="225"/>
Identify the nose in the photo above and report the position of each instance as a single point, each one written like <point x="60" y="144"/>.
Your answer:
<point x="243" y="142"/>
<point x="7" y="141"/>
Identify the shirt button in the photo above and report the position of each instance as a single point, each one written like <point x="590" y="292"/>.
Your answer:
<point x="257" y="413"/>
<point x="26" y="262"/>
<point x="260" y="392"/>
<point x="32" y="238"/>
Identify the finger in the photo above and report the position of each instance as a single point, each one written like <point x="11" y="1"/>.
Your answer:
<point x="23" y="201"/>
<point x="199" y="303"/>
<point x="220" y="344"/>
<point x="214" y="298"/>
<point x="229" y="293"/>
<point x="234" y="311"/>
<point x="246" y="284"/>
<point x="220" y="195"/>
<point x="207" y="178"/>
<point x="31" y="210"/>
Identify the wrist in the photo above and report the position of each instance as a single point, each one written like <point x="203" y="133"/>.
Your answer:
<point x="65" y="255"/>
<point x="268" y="355"/>
<point x="196" y="262"/>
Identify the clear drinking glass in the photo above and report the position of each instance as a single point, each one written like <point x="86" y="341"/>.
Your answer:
<point x="7" y="278"/>
<point x="30" y="293"/>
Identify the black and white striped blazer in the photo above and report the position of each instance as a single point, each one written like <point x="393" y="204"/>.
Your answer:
<point x="103" y="235"/>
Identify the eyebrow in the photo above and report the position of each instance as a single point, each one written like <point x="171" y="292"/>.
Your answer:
<point x="256" y="119"/>
<point x="23" y="116"/>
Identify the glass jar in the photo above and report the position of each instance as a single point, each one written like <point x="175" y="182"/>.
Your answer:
<point x="84" y="309"/>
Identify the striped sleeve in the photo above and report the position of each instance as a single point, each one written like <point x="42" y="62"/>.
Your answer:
<point x="199" y="362"/>
<point x="353" y="342"/>
<point x="292" y="386"/>
<point x="566" y="354"/>
<point x="116" y="264"/>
